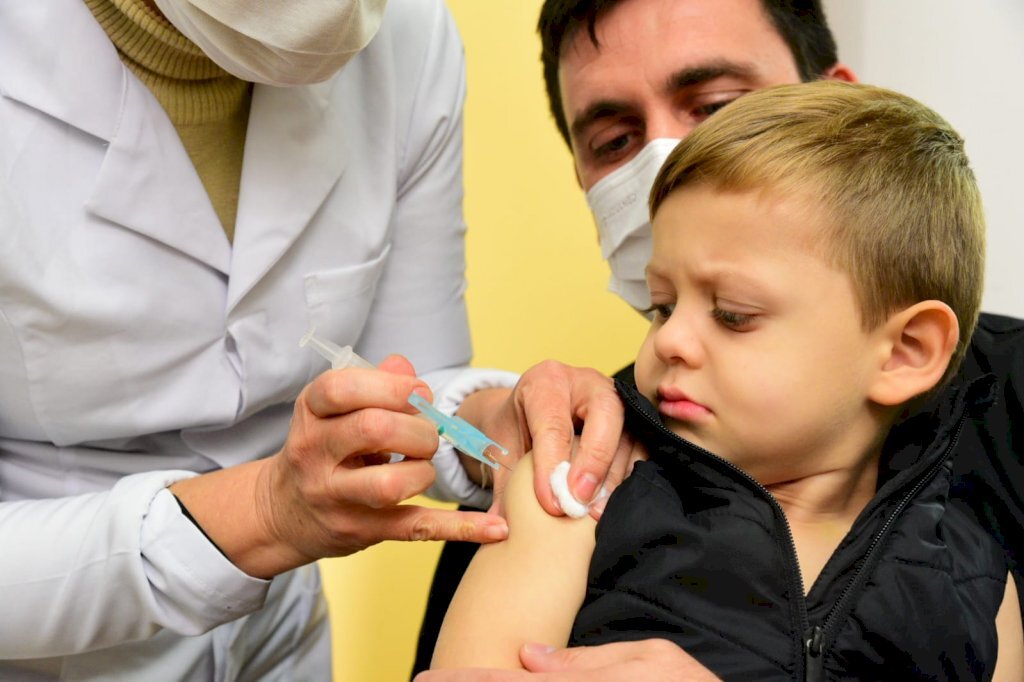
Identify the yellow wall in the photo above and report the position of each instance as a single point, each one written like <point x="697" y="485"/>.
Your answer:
<point x="536" y="290"/>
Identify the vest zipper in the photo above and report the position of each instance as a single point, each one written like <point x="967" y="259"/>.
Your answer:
<point x="816" y="639"/>
<point x="820" y="637"/>
<point x="796" y="580"/>
<point x="814" y="661"/>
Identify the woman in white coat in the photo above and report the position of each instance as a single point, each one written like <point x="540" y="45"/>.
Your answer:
<point x="151" y="302"/>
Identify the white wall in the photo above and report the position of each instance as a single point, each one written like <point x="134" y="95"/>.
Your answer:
<point x="966" y="61"/>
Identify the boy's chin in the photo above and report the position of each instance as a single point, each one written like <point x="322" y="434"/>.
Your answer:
<point x="691" y="434"/>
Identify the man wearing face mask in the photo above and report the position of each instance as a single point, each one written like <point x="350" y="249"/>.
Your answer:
<point x="186" y="187"/>
<point x="626" y="80"/>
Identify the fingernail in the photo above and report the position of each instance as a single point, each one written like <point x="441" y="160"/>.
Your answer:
<point x="498" y="531"/>
<point x="539" y="649"/>
<point x="585" y="487"/>
<point x="597" y="508"/>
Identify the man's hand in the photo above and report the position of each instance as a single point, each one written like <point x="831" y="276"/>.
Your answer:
<point x="542" y="413"/>
<point x="330" y="491"/>
<point x="652" y="660"/>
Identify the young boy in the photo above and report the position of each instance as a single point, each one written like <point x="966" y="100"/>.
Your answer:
<point x="817" y="267"/>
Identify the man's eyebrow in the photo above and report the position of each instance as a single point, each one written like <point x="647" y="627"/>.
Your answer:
<point x="683" y="78"/>
<point x="702" y="73"/>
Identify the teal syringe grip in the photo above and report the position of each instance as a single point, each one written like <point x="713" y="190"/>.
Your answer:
<point x="457" y="431"/>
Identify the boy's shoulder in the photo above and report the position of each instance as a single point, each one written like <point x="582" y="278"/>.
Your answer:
<point x="997" y="346"/>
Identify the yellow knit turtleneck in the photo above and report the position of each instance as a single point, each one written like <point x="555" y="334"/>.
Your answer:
<point x="208" y="106"/>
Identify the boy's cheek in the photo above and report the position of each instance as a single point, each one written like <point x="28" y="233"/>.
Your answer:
<point x="644" y="372"/>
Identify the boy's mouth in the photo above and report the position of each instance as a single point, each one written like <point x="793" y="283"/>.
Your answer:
<point x="675" y="404"/>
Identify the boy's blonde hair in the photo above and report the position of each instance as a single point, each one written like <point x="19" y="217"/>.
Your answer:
<point x="904" y="213"/>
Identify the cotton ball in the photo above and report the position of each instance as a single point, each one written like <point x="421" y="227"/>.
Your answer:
<point x="560" y="486"/>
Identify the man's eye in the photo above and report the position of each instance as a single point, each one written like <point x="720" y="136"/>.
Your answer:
<point x="612" y="147"/>
<point x="706" y="110"/>
<point x="732" y="320"/>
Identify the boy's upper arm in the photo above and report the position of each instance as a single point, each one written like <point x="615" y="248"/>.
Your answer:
<point x="525" y="589"/>
<point x="1010" y="660"/>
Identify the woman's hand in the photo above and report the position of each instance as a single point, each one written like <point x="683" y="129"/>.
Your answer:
<point x="331" y="491"/>
<point x="542" y="413"/>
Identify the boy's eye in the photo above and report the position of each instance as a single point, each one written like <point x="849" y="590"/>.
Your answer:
<point x="661" y="311"/>
<point x="733" y="320"/>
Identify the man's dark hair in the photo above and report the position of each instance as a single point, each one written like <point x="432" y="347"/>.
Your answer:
<point x="800" y="23"/>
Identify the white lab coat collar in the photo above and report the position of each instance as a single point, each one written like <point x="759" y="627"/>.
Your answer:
<point x="292" y="134"/>
<point x="172" y="207"/>
<point x="48" y="53"/>
<point x="62" y="71"/>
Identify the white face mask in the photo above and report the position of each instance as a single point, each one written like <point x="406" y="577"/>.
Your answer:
<point x="619" y="204"/>
<point x="277" y="43"/>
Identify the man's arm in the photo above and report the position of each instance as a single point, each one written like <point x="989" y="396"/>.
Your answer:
<point x="526" y="589"/>
<point x="650" y="660"/>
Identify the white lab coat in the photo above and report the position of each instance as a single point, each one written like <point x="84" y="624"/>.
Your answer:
<point x="134" y="339"/>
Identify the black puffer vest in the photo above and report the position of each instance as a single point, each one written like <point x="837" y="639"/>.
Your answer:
<point x="693" y="550"/>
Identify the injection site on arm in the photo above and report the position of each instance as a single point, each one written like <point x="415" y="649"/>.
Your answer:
<point x="560" y="487"/>
<point x="526" y="589"/>
<point x="457" y="431"/>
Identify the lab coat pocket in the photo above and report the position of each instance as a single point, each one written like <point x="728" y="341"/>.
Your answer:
<point x="339" y="300"/>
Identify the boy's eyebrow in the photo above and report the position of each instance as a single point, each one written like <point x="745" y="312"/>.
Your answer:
<point x="683" y="78"/>
<point x="711" y="274"/>
<point x="652" y="270"/>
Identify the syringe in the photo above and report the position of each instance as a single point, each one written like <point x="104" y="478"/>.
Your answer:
<point x="456" y="430"/>
<point x="338" y="356"/>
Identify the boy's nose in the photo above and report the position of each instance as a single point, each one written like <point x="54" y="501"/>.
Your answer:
<point x="678" y="340"/>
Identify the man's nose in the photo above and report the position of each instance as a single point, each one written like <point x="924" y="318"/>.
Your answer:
<point x="666" y="121"/>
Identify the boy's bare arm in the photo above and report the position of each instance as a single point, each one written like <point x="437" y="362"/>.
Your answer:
<point x="525" y="589"/>
<point x="1010" y="661"/>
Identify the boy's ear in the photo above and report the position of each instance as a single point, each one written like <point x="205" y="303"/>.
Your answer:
<point x="918" y="343"/>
